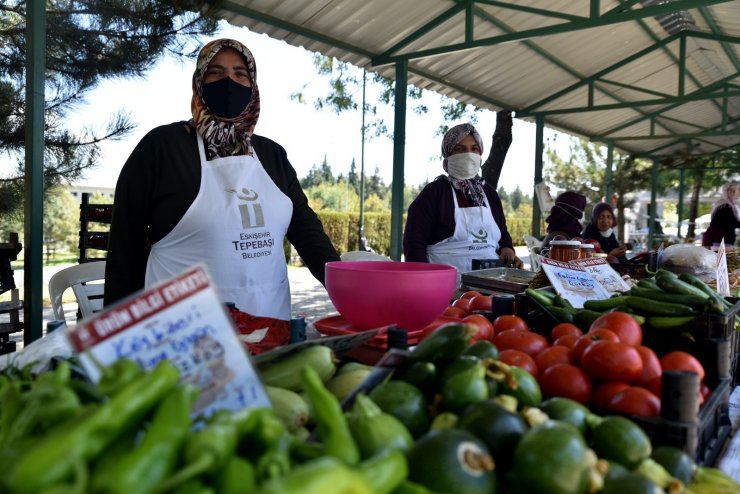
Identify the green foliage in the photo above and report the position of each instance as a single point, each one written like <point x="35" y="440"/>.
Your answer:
<point x="61" y="221"/>
<point x="86" y="41"/>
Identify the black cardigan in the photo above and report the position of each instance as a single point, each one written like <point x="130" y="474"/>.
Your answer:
<point x="160" y="181"/>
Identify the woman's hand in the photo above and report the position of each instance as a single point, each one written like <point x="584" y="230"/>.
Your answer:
<point x="620" y="251"/>
<point x="510" y="259"/>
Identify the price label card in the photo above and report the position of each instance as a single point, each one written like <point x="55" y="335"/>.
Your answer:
<point x="573" y="282"/>
<point x="602" y="272"/>
<point x="723" y="280"/>
<point x="183" y="320"/>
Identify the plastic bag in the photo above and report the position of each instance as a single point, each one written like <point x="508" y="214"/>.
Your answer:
<point x="688" y="258"/>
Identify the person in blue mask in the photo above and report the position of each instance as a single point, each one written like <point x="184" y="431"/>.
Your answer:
<point x="209" y="190"/>
<point x="458" y="217"/>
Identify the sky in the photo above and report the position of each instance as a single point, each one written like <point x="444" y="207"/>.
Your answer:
<point x="163" y="95"/>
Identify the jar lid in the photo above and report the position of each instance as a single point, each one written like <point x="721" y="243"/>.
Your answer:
<point x="570" y="243"/>
<point x="588" y="246"/>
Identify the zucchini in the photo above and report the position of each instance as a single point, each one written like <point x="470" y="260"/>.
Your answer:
<point x="289" y="407"/>
<point x="445" y="343"/>
<point x="669" y="322"/>
<point x="587" y="316"/>
<point x="717" y="303"/>
<point x="619" y="439"/>
<point x="655" y="307"/>
<point x="561" y="314"/>
<point x="540" y="297"/>
<point x="286" y="373"/>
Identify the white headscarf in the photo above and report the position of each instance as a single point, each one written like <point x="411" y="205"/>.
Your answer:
<point x="728" y="196"/>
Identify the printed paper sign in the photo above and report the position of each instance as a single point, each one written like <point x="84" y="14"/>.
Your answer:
<point x="603" y="273"/>
<point x="723" y="281"/>
<point x="573" y="282"/>
<point x="184" y="321"/>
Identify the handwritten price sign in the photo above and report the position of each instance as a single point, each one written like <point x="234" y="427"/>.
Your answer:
<point x="184" y="321"/>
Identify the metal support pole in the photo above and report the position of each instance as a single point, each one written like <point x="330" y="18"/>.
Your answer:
<point x="399" y="145"/>
<point x="653" y="206"/>
<point x="34" y="172"/>
<point x="679" y="207"/>
<point x="538" y="150"/>
<point x="609" y="175"/>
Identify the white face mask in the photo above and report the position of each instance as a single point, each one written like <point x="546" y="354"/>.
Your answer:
<point x="463" y="165"/>
<point x="606" y="233"/>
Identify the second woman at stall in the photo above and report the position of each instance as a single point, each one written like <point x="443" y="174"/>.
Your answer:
<point x="458" y="217"/>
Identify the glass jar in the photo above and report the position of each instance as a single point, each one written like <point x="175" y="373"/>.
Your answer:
<point x="565" y="250"/>
<point x="587" y="250"/>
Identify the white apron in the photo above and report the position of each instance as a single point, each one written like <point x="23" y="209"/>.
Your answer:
<point x="236" y="227"/>
<point x="476" y="236"/>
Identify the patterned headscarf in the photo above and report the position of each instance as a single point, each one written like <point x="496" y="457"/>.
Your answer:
<point x="566" y="212"/>
<point x="728" y="197"/>
<point x="472" y="188"/>
<point x="224" y="136"/>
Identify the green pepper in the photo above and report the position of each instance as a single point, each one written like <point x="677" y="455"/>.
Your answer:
<point x="52" y="459"/>
<point x="193" y="486"/>
<point x="237" y="477"/>
<point x="117" y="375"/>
<point x="325" y="474"/>
<point x="385" y="471"/>
<point x="207" y="450"/>
<point x="330" y="420"/>
<point x="374" y="430"/>
<point x="143" y="469"/>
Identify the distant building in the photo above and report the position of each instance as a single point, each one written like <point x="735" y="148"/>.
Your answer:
<point x="78" y="189"/>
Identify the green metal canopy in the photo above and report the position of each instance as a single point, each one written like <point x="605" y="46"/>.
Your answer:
<point x="650" y="78"/>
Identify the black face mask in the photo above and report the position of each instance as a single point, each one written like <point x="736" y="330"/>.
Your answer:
<point x="226" y="98"/>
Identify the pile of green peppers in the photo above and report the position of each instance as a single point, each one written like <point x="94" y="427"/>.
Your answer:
<point x="134" y="432"/>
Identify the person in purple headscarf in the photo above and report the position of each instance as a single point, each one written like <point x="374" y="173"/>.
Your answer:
<point x="458" y="217"/>
<point x="725" y="218"/>
<point x="565" y="217"/>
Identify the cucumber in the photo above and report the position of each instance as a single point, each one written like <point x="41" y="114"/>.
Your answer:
<point x="675" y="285"/>
<point x="286" y="373"/>
<point x="655" y="307"/>
<point x="717" y="303"/>
<point x="543" y="297"/>
<point x="602" y="305"/>
<point x="663" y="296"/>
<point x="669" y="322"/>
<point x="561" y="314"/>
<point x="586" y="317"/>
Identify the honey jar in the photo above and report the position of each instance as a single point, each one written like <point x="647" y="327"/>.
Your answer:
<point x="565" y="250"/>
<point x="587" y="250"/>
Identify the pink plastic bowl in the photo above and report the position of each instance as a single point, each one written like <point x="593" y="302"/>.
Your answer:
<point x="371" y="294"/>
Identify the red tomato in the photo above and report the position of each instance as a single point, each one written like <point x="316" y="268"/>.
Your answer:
<point x="634" y="400"/>
<point x="462" y="304"/>
<point x="553" y="355"/>
<point x="502" y="323"/>
<point x="515" y="358"/>
<point x="587" y="339"/>
<point x="471" y="294"/>
<point x="650" y="369"/>
<point x="563" y="329"/>
<point x="604" y="392"/>
<point x="482" y="302"/>
<point x="525" y="341"/>
<point x="568" y="381"/>
<point x="568" y="340"/>
<point x="612" y="361"/>
<point x="621" y="323"/>
<point x="704" y="393"/>
<point x="485" y="327"/>
<point x="679" y="360"/>
<point x="455" y="312"/>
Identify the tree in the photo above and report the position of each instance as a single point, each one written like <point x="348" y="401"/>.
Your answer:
<point x="517" y="197"/>
<point x="86" y="41"/>
<point x="61" y="221"/>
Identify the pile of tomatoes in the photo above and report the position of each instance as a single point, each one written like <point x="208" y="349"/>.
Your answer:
<point x="606" y="368"/>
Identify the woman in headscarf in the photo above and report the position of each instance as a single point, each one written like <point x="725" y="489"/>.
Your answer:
<point x="601" y="229"/>
<point x="209" y="190"/>
<point x="725" y="218"/>
<point x="565" y="217"/>
<point x="458" y="217"/>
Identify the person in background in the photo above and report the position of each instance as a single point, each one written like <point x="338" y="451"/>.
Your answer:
<point x="601" y="229"/>
<point x="565" y="217"/>
<point x="458" y="217"/>
<point x="725" y="218"/>
<point x="500" y="143"/>
<point x="209" y="190"/>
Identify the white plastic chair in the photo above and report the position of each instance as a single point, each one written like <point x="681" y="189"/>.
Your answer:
<point x="80" y="279"/>
<point x="534" y="245"/>
<point x="362" y="255"/>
